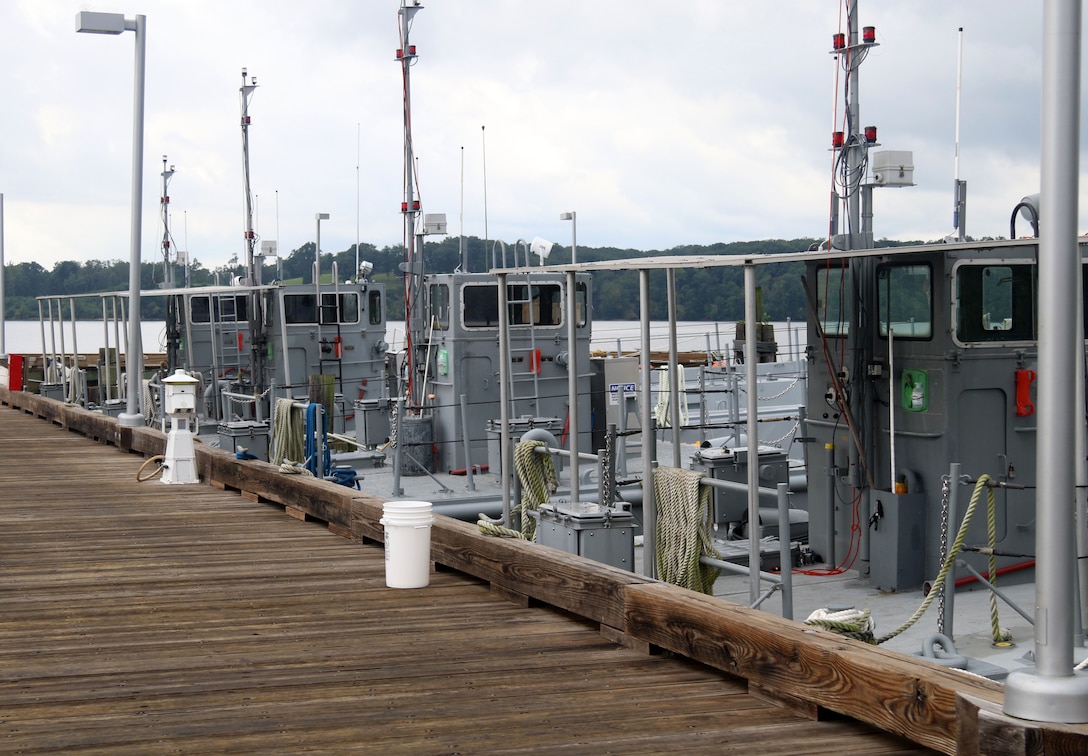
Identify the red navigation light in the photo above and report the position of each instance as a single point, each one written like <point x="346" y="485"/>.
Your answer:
<point x="400" y="53"/>
<point x="837" y="140"/>
<point x="404" y="207"/>
<point x="411" y="49"/>
<point x="868" y="35"/>
<point x="838" y="41"/>
<point x="415" y="204"/>
<point x="870" y="134"/>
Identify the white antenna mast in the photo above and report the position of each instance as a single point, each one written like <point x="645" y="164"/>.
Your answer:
<point x="358" y="200"/>
<point x="959" y="212"/>
<point x="461" y="243"/>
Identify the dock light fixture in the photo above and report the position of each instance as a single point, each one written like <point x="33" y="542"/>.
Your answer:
<point x="573" y="218"/>
<point x="541" y="248"/>
<point x="317" y="251"/>
<point x="89" y="22"/>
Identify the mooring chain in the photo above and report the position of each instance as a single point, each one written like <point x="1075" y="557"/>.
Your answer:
<point x="779" y="395"/>
<point x="608" y="484"/>
<point x="946" y="492"/>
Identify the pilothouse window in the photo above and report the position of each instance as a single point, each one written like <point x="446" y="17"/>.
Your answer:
<point x="995" y="302"/>
<point x="539" y="304"/>
<point x="905" y="295"/>
<point x="832" y="299"/>
<point x="227" y="309"/>
<point x="302" y="308"/>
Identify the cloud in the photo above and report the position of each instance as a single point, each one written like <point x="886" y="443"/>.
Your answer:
<point x="661" y="125"/>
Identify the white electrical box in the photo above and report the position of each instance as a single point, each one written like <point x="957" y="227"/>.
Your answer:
<point x="434" y="223"/>
<point x="893" y="168"/>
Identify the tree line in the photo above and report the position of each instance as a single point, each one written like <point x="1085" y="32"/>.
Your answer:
<point x="702" y="294"/>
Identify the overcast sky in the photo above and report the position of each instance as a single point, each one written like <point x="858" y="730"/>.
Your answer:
<point x="660" y="124"/>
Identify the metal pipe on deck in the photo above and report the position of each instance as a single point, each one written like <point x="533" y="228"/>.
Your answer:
<point x="572" y="380"/>
<point x="785" y="553"/>
<point x="751" y="379"/>
<point x="470" y="481"/>
<point x="674" y="369"/>
<point x="504" y="396"/>
<point x="649" y="502"/>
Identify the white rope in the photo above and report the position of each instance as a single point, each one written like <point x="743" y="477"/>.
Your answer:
<point x="294" y="468"/>
<point x="663" y="410"/>
<point x="852" y="623"/>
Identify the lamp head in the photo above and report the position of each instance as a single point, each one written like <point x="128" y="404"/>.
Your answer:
<point x="90" y="22"/>
<point x="541" y="247"/>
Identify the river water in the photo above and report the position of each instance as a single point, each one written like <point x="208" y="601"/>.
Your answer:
<point x="25" y="336"/>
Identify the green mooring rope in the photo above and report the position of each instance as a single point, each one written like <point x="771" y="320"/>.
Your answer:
<point x="538" y="482"/>
<point x="683" y="529"/>
<point x="999" y="634"/>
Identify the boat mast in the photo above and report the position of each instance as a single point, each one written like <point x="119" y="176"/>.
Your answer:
<point x="257" y="336"/>
<point x="853" y="145"/>
<point x="410" y="208"/>
<point x="173" y="335"/>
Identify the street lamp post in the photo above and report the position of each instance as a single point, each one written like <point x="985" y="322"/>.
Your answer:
<point x="115" y="23"/>
<point x="573" y="218"/>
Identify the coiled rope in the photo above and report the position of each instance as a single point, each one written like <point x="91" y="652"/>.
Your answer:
<point x="683" y="529"/>
<point x="294" y="468"/>
<point x="851" y="623"/>
<point x="287" y="433"/>
<point x="538" y="482"/>
<point x="492" y="527"/>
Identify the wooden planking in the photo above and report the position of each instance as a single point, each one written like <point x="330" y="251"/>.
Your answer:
<point x="918" y="703"/>
<point x="873" y="685"/>
<point x="140" y="617"/>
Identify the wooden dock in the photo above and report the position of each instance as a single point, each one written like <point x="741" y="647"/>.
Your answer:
<point x="140" y="617"/>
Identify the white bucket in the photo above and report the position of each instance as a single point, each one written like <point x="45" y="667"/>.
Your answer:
<point x="407" y="543"/>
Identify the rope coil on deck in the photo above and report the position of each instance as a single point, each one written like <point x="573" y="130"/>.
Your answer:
<point x="851" y="623"/>
<point x="287" y="433"/>
<point x="538" y="482"/>
<point x="683" y="529"/>
<point x="491" y="527"/>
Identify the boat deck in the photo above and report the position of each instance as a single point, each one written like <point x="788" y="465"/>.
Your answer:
<point x="143" y="617"/>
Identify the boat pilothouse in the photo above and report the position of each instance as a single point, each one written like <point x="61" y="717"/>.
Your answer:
<point x="946" y="349"/>
<point x="459" y="370"/>
<point x="343" y="338"/>
<point x="335" y="329"/>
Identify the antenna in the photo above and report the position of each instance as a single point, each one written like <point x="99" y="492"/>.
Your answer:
<point x="959" y="188"/>
<point x="461" y="243"/>
<point x="358" y="159"/>
<point x="483" y="142"/>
